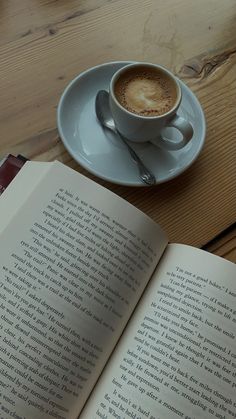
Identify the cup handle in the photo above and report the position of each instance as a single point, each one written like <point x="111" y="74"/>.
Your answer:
<point x="185" y="129"/>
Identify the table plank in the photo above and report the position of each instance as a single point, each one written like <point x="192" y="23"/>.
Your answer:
<point x="48" y="43"/>
<point x="44" y="44"/>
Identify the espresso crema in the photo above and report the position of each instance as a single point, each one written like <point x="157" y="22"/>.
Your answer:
<point x="146" y="91"/>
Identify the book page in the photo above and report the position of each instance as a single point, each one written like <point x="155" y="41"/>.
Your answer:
<point x="19" y="190"/>
<point x="177" y="357"/>
<point x="74" y="261"/>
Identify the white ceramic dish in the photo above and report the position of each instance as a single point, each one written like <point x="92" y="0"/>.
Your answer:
<point x="101" y="153"/>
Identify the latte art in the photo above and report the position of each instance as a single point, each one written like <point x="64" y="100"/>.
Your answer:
<point x="145" y="91"/>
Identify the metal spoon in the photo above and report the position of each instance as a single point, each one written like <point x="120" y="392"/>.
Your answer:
<point x="105" y="118"/>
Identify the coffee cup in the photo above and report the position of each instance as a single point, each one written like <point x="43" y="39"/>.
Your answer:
<point x="144" y="99"/>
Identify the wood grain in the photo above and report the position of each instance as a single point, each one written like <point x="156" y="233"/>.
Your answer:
<point x="46" y="43"/>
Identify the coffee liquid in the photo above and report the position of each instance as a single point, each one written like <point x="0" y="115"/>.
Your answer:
<point x="146" y="91"/>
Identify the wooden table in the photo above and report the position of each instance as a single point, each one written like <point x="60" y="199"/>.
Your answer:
<point x="46" y="43"/>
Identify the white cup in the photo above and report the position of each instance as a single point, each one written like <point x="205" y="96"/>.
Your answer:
<point x="140" y="128"/>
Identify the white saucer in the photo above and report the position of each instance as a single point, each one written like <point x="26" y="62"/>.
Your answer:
<point x="100" y="152"/>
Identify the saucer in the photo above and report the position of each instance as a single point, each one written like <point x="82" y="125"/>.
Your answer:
<point x="101" y="152"/>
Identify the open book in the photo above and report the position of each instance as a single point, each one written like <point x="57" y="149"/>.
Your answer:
<point x="100" y="316"/>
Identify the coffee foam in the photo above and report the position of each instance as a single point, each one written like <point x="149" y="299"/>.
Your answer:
<point x="145" y="91"/>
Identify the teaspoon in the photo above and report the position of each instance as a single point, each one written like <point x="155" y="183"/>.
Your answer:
<point x="105" y="118"/>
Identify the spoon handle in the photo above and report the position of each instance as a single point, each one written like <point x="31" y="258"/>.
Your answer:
<point x="145" y="174"/>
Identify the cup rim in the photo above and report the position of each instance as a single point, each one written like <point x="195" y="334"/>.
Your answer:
<point x="146" y="64"/>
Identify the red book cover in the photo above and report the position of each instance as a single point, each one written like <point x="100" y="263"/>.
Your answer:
<point x="9" y="167"/>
